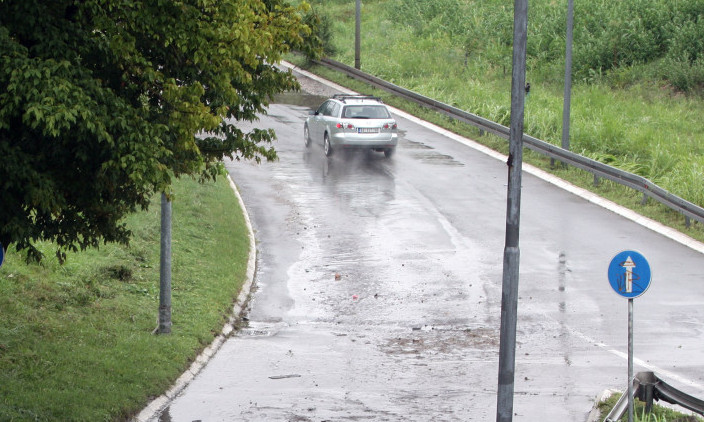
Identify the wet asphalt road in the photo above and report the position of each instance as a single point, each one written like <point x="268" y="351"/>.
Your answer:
<point x="378" y="291"/>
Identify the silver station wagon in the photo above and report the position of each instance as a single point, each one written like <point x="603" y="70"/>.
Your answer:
<point x="352" y="122"/>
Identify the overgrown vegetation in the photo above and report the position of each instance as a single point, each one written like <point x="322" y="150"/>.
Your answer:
<point x="638" y="72"/>
<point x="657" y="414"/>
<point x="666" y="37"/>
<point x="75" y="339"/>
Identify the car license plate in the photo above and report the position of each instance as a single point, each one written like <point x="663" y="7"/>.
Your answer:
<point x="367" y="130"/>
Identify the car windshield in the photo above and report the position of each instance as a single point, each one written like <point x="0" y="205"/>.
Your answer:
<point x="365" y="112"/>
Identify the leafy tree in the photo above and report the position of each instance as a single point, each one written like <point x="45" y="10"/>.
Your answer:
<point x="104" y="102"/>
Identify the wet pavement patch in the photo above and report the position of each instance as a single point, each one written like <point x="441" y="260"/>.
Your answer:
<point x="442" y="341"/>
<point x="432" y="157"/>
<point x="413" y="144"/>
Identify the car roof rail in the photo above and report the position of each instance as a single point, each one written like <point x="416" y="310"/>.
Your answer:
<point x="343" y="97"/>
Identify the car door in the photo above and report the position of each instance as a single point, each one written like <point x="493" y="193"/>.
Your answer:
<point x="318" y="126"/>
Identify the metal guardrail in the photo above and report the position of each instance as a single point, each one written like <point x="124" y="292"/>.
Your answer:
<point x="648" y="387"/>
<point x="598" y="169"/>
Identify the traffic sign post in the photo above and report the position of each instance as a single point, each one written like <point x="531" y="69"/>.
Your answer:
<point x="629" y="276"/>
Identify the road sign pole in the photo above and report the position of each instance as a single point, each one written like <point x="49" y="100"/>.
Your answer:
<point x="629" y="276"/>
<point x="568" y="78"/>
<point x="630" y="360"/>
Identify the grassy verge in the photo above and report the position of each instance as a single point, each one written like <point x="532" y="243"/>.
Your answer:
<point x="75" y="340"/>
<point x="658" y="413"/>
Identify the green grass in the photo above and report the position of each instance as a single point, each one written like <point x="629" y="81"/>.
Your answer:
<point x="75" y="339"/>
<point x="623" y="116"/>
<point x="657" y="414"/>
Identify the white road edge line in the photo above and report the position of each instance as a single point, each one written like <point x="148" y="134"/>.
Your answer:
<point x="541" y="174"/>
<point x="624" y="356"/>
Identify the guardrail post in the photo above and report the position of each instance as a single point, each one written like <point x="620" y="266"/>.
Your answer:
<point x="596" y="180"/>
<point x="644" y="200"/>
<point x="687" y="221"/>
<point x="645" y="393"/>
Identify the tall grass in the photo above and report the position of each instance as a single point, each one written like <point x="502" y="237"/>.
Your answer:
<point x="657" y="414"/>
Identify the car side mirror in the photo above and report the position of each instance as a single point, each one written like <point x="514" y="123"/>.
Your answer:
<point x="312" y="113"/>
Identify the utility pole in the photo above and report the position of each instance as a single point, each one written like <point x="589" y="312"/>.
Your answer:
<point x="165" y="269"/>
<point x="567" y="97"/>
<point x="509" y="292"/>
<point x="568" y="77"/>
<point x="357" y="33"/>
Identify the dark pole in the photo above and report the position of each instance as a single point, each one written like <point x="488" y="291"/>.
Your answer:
<point x="630" y="360"/>
<point x="568" y="77"/>
<point x="357" y="33"/>
<point x="165" y="268"/>
<point x="509" y="292"/>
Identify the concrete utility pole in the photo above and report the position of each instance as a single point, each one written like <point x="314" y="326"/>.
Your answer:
<point x="509" y="292"/>
<point x="165" y="269"/>
<point x="357" y="33"/>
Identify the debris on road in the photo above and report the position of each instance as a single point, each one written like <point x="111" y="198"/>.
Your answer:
<point x="279" y="377"/>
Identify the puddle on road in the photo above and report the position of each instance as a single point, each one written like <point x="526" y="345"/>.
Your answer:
<point x="261" y="329"/>
<point x="437" y="158"/>
<point x="426" y="154"/>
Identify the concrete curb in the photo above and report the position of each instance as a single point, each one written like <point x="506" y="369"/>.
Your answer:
<point x="152" y="411"/>
<point x="595" y="414"/>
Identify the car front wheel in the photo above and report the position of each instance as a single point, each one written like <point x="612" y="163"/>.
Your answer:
<point x="326" y="145"/>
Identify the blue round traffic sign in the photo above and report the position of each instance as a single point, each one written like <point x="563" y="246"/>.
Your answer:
<point x="629" y="274"/>
<point x="2" y="254"/>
